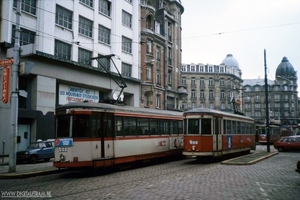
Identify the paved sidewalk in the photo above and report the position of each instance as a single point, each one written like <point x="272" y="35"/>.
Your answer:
<point x="42" y="168"/>
<point x="27" y="170"/>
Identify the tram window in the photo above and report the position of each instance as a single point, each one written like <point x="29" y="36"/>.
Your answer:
<point x="171" y="127"/>
<point x="243" y="131"/>
<point x="224" y="127"/>
<point x="153" y="126"/>
<point x="107" y="125"/>
<point x="233" y="124"/>
<point x="119" y="126"/>
<point x="63" y="126"/>
<point x="193" y="126"/>
<point x="142" y="126"/>
<point x="228" y="127"/>
<point x="163" y="127"/>
<point x="205" y="126"/>
<point x="238" y="127"/>
<point x="81" y="126"/>
<point x="180" y="127"/>
<point x="184" y="129"/>
<point x="95" y="126"/>
<point x="129" y="125"/>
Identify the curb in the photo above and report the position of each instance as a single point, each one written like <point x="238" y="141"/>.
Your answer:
<point x="231" y="162"/>
<point x="31" y="174"/>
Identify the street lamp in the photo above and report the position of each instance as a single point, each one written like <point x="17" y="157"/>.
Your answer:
<point x="267" y="105"/>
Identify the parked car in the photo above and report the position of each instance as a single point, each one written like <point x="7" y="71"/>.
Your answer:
<point x="298" y="167"/>
<point x="287" y="143"/>
<point x="37" y="151"/>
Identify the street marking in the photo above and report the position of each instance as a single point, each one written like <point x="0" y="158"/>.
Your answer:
<point x="281" y="185"/>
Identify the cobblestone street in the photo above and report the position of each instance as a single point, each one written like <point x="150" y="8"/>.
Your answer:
<point x="272" y="178"/>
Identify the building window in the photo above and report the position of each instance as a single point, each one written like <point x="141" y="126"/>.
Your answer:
<point x="85" y="26"/>
<point x="157" y="27"/>
<point x="84" y="56"/>
<point x="88" y="3"/>
<point x="193" y="68"/>
<point x="28" y="6"/>
<point x="201" y="81"/>
<point x="104" y="62"/>
<point x="211" y="106"/>
<point x="193" y="81"/>
<point x="223" y="106"/>
<point x="222" y="94"/>
<point x="222" y="82"/>
<point x="104" y="7"/>
<point x="149" y="22"/>
<point x="211" y="82"/>
<point x="170" y="32"/>
<point x="158" y="101"/>
<point x="149" y="47"/>
<point x="126" y="70"/>
<point x="62" y="50"/>
<point x="129" y="1"/>
<point x="222" y="69"/>
<point x="211" y="94"/>
<point x="63" y="17"/>
<point x="210" y="69"/>
<point x="26" y="36"/>
<point x="201" y="68"/>
<point x="149" y="73"/>
<point x="169" y="56"/>
<point x="193" y="94"/>
<point x="126" y="19"/>
<point x="158" y="81"/>
<point x="183" y="68"/>
<point x="104" y="34"/>
<point x="158" y="53"/>
<point x="169" y="78"/>
<point x="126" y="44"/>
<point x="201" y="94"/>
<point x="183" y="81"/>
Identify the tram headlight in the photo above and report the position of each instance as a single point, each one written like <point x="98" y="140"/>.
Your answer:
<point x="193" y="147"/>
<point x="62" y="157"/>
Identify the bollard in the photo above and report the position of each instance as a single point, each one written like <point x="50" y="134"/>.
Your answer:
<point x="3" y="151"/>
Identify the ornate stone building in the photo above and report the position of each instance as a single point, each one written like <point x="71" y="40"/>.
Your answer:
<point x="161" y="54"/>
<point x="212" y="86"/>
<point x="282" y="97"/>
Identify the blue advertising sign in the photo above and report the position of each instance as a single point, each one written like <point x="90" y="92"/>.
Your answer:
<point x="63" y="142"/>
<point x="229" y="142"/>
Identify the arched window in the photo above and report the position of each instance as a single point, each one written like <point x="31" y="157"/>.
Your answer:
<point x="149" y="24"/>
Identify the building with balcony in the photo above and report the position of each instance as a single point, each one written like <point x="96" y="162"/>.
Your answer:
<point x="212" y="86"/>
<point x="59" y="38"/>
<point x="161" y="54"/>
<point x="282" y="97"/>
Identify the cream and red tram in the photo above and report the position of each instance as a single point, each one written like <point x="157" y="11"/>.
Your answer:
<point x="215" y="133"/>
<point x="98" y="134"/>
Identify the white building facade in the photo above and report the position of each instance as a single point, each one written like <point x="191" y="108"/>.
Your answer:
<point x="63" y="36"/>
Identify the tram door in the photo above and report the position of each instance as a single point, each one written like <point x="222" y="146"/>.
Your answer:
<point x="106" y="135"/>
<point x="217" y="135"/>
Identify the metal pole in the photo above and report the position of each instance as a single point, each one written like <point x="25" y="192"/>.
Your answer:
<point x="15" y="93"/>
<point x="3" y="151"/>
<point x="267" y="104"/>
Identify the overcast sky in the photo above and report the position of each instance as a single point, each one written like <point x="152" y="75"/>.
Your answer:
<point x="211" y="29"/>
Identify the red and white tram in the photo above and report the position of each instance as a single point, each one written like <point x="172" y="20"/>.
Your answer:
<point x="215" y="133"/>
<point x="98" y="134"/>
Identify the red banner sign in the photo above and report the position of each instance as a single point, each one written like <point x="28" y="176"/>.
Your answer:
<point x="5" y="84"/>
<point x="6" y="62"/>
